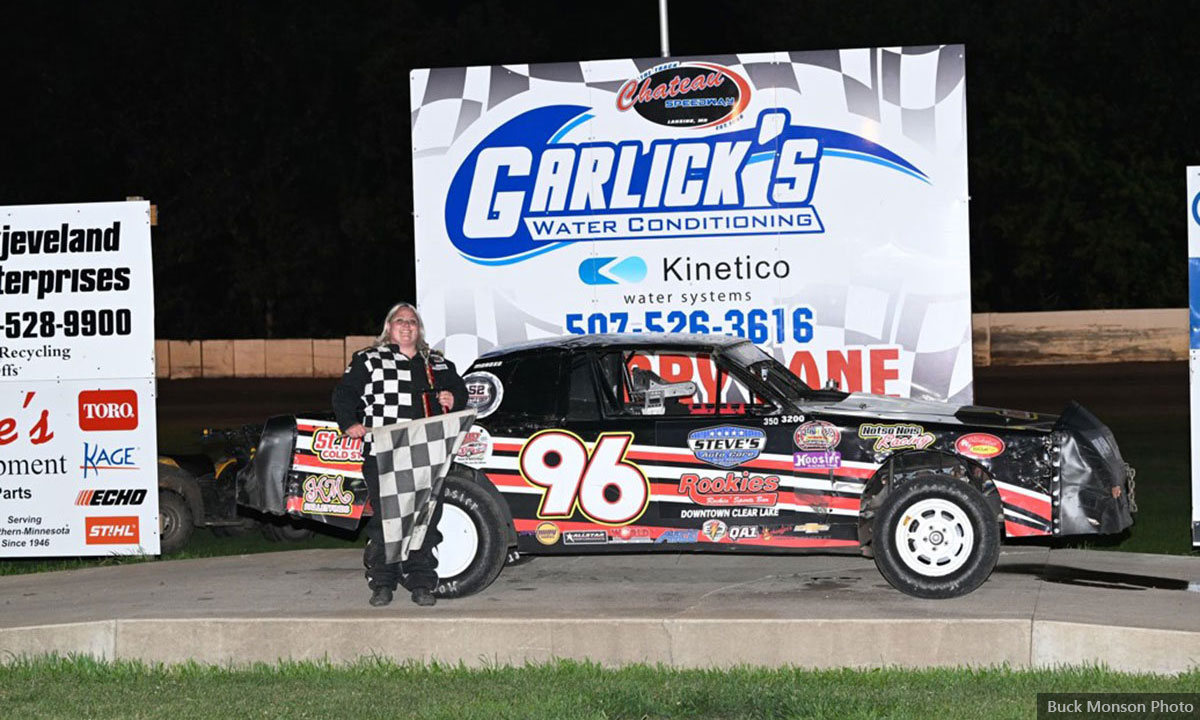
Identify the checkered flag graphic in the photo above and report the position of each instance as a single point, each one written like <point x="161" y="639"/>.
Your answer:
<point x="413" y="460"/>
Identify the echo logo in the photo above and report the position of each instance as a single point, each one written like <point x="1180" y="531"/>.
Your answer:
<point x="120" y="530"/>
<point x="108" y="410"/>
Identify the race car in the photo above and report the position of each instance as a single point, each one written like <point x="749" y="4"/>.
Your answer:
<point x="668" y="443"/>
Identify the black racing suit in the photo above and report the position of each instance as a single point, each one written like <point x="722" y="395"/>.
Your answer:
<point x="357" y="399"/>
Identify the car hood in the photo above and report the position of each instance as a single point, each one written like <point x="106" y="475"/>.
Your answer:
<point x="891" y="408"/>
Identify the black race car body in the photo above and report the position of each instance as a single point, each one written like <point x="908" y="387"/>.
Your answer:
<point x="665" y="443"/>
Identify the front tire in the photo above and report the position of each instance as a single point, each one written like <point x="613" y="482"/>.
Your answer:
<point x="175" y="522"/>
<point x="935" y="537"/>
<point x="473" y="547"/>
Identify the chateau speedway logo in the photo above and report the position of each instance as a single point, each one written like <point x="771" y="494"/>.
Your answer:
<point x="524" y="190"/>
<point x="690" y="94"/>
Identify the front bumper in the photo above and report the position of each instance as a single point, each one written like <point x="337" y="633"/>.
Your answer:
<point x="1093" y="486"/>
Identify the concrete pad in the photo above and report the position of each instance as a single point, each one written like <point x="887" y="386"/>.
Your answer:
<point x="1041" y="607"/>
<point x="94" y="639"/>
<point x="217" y="358"/>
<point x="289" y="358"/>
<point x="329" y="358"/>
<point x="184" y="358"/>
<point x="1127" y="649"/>
<point x="249" y="358"/>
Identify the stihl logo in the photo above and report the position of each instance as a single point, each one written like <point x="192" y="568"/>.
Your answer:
<point x="108" y="410"/>
<point x="111" y="497"/>
<point x="112" y="530"/>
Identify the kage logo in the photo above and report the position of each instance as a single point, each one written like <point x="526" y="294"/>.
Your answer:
<point x="97" y="458"/>
<point x="101" y="410"/>
<point x="111" y="530"/>
<point x="524" y="190"/>
<point x="111" y="498"/>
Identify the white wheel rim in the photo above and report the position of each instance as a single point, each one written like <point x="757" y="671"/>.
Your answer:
<point x="460" y="542"/>
<point x="934" y="537"/>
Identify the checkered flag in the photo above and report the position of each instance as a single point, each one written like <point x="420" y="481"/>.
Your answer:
<point x="413" y="459"/>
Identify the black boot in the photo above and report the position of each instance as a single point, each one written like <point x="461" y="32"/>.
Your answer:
<point x="382" y="596"/>
<point x="423" y="597"/>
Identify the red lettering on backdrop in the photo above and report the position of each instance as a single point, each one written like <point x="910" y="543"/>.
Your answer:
<point x="880" y="372"/>
<point x="804" y="367"/>
<point x="846" y="369"/>
<point x="8" y="431"/>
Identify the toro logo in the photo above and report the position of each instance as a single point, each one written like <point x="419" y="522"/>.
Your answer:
<point x="979" y="445"/>
<point x="689" y="94"/>
<point x="332" y="446"/>
<point x="121" y="530"/>
<point x="101" y="410"/>
<point x="109" y="498"/>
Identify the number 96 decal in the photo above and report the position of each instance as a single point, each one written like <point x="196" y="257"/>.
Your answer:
<point x="603" y="486"/>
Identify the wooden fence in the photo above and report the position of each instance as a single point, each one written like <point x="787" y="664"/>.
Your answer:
<point x="1044" y="338"/>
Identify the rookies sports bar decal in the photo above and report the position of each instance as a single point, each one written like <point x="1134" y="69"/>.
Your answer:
<point x="813" y="203"/>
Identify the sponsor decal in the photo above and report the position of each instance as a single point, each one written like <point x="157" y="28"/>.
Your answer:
<point x="97" y="458"/>
<point x="714" y="530"/>
<point x="104" y="410"/>
<point x="902" y="436"/>
<point x="326" y="495"/>
<point x="733" y="488"/>
<point x="332" y="446"/>
<point x="823" y="460"/>
<point x="122" y="530"/>
<point x="817" y="435"/>
<point x="727" y="446"/>
<point x="743" y="532"/>
<point x="547" y="533"/>
<point x="629" y="534"/>
<point x="484" y="392"/>
<point x="678" y="536"/>
<point x="612" y="271"/>
<point x="488" y="364"/>
<point x="979" y="445"/>
<point x="585" y="537"/>
<point x="111" y="497"/>
<point x="686" y="94"/>
<point x="727" y="512"/>
<point x="476" y="448"/>
<point x="810" y="528"/>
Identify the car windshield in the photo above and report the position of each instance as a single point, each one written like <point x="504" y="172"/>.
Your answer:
<point x="769" y="370"/>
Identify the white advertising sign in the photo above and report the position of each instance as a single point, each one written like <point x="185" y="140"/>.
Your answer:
<point x="813" y="202"/>
<point x="1193" y="194"/>
<point x="78" y="439"/>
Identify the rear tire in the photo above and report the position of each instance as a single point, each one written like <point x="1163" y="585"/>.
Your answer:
<point x="473" y="547"/>
<point x="935" y="537"/>
<point x="283" y="529"/>
<point x="175" y="524"/>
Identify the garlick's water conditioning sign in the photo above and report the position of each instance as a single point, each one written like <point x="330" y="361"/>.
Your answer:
<point x="814" y="203"/>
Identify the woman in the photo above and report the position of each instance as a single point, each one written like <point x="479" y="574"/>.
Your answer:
<point x="398" y="378"/>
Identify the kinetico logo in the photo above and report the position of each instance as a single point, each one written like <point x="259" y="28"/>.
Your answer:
<point x="525" y="189"/>
<point x="690" y="94"/>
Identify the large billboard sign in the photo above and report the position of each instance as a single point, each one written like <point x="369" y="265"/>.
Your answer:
<point x="78" y="449"/>
<point x="813" y="202"/>
<point x="1193" y="225"/>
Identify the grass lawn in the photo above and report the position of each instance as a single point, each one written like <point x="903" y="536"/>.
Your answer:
<point x="78" y="687"/>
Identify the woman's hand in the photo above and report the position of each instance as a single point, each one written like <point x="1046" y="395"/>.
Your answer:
<point x="356" y="430"/>
<point x="445" y="398"/>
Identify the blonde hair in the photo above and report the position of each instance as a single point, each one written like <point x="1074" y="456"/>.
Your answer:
<point x="385" y="337"/>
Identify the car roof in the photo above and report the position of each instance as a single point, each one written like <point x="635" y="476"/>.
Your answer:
<point x="618" y="340"/>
